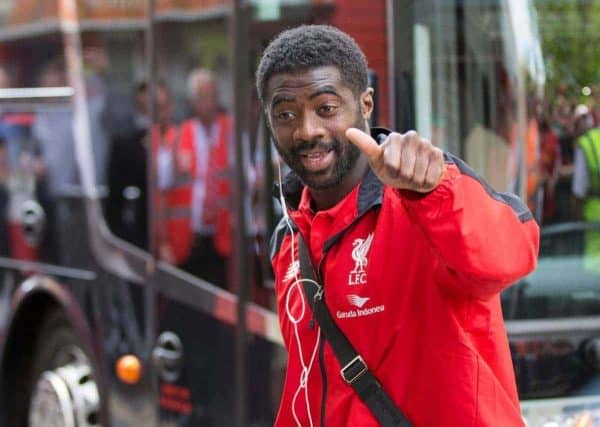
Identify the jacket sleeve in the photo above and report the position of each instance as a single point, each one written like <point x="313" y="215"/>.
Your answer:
<point x="485" y="240"/>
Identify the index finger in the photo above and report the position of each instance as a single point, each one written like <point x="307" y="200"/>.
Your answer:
<point x="364" y="142"/>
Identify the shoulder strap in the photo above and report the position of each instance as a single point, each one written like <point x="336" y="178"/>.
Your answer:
<point x="354" y="371"/>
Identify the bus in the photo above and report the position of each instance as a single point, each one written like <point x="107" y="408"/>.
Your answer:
<point x="105" y="321"/>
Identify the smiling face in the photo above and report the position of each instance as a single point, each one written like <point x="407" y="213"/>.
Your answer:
<point x="309" y="113"/>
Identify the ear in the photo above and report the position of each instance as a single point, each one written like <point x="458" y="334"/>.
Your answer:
<point x="367" y="103"/>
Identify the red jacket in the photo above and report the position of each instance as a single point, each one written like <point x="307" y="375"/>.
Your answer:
<point x="413" y="281"/>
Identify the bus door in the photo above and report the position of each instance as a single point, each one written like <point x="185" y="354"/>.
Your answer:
<point x="466" y="82"/>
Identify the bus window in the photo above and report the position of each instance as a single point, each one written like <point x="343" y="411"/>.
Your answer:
<point x="465" y="85"/>
<point x="39" y="179"/>
<point x="192" y="142"/>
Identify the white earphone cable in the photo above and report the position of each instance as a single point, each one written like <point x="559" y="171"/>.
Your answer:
<point x="295" y="320"/>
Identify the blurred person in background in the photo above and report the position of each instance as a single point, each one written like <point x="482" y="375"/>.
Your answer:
<point x="53" y="132"/>
<point x="4" y="171"/>
<point x="203" y="170"/>
<point x="596" y="105"/>
<point x="54" y="157"/>
<point x="127" y="196"/>
<point x="14" y="126"/>
<point x="127" y="203"/>
<point x="560" y="119"/>
<point x="550" y="162"/>
<point x="586" y="173"/>
<point x="100" y="107"/>
<point x="171" y="206"/>
<point x="21" y="167"/>
<point x="532" y="159"/>
<point x="562" y="125"/>
<point x="586" y="181"/>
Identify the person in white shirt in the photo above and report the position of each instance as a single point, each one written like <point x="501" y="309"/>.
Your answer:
<point x="204" y="153"/>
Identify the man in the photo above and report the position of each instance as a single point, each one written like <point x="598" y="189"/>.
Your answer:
<point x="550" y="163"/>
<point x="586" y="181"/>
<point x="203" y="156"/>
<point x="411" y="249"/>
<point x="126" y="205"/>
<point x="127" y="170"/>
<point x="586" y="173"/>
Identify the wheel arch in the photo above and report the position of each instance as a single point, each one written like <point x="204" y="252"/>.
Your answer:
<point x="31" y="303"/>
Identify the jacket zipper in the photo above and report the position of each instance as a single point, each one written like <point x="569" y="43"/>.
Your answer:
<point x="322" y="342"/>
<point x="328" y="245"/>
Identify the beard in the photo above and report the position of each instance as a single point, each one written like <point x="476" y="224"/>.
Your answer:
<point x="346" y="155"/>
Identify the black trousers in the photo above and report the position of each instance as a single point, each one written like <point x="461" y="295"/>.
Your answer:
<point x="205" y="262"/>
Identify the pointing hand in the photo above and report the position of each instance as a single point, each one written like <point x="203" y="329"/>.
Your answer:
<point x="403" y="161"/>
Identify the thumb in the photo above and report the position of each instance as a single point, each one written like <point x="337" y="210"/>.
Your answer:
<point x="365" y="143"/>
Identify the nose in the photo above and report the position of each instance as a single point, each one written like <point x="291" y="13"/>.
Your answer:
<point x="309" y="129"/>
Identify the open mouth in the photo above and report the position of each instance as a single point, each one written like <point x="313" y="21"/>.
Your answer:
<point x="317" y="159"/>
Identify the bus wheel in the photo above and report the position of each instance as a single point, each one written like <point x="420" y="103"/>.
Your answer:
<point x="64" y="393"/>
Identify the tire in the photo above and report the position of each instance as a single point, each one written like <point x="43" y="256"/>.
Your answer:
<point x="62" y="379"/>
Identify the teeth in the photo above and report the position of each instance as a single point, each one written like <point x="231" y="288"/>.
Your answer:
<point x="317" y="155"/>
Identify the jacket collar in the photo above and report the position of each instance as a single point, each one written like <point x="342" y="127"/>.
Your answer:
<point x="371" y="188"/>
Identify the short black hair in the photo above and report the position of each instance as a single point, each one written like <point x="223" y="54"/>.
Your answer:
<point x="141" y="87"/>
<point x="310" y="46"/>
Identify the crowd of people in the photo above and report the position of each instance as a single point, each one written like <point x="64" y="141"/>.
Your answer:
<point x="190" y="180"/>
<point x="191" y="183"/>
<point x="563" y="169"/>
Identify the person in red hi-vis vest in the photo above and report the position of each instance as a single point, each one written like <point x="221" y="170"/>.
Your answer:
<point x="202" y="173"/>
<point x="172" y="218"/>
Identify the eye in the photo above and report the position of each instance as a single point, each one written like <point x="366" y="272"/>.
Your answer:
<point x="284" y="116"/>
<point x="327" y="109"/>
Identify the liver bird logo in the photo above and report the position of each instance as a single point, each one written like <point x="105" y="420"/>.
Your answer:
<point x="359" y="253"/>
<point x="357" y="301"/>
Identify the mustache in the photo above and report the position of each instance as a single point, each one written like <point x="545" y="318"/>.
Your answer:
<point x="318" y="145"/>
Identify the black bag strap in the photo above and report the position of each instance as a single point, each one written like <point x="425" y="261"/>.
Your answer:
<point x="354" y="370"/>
